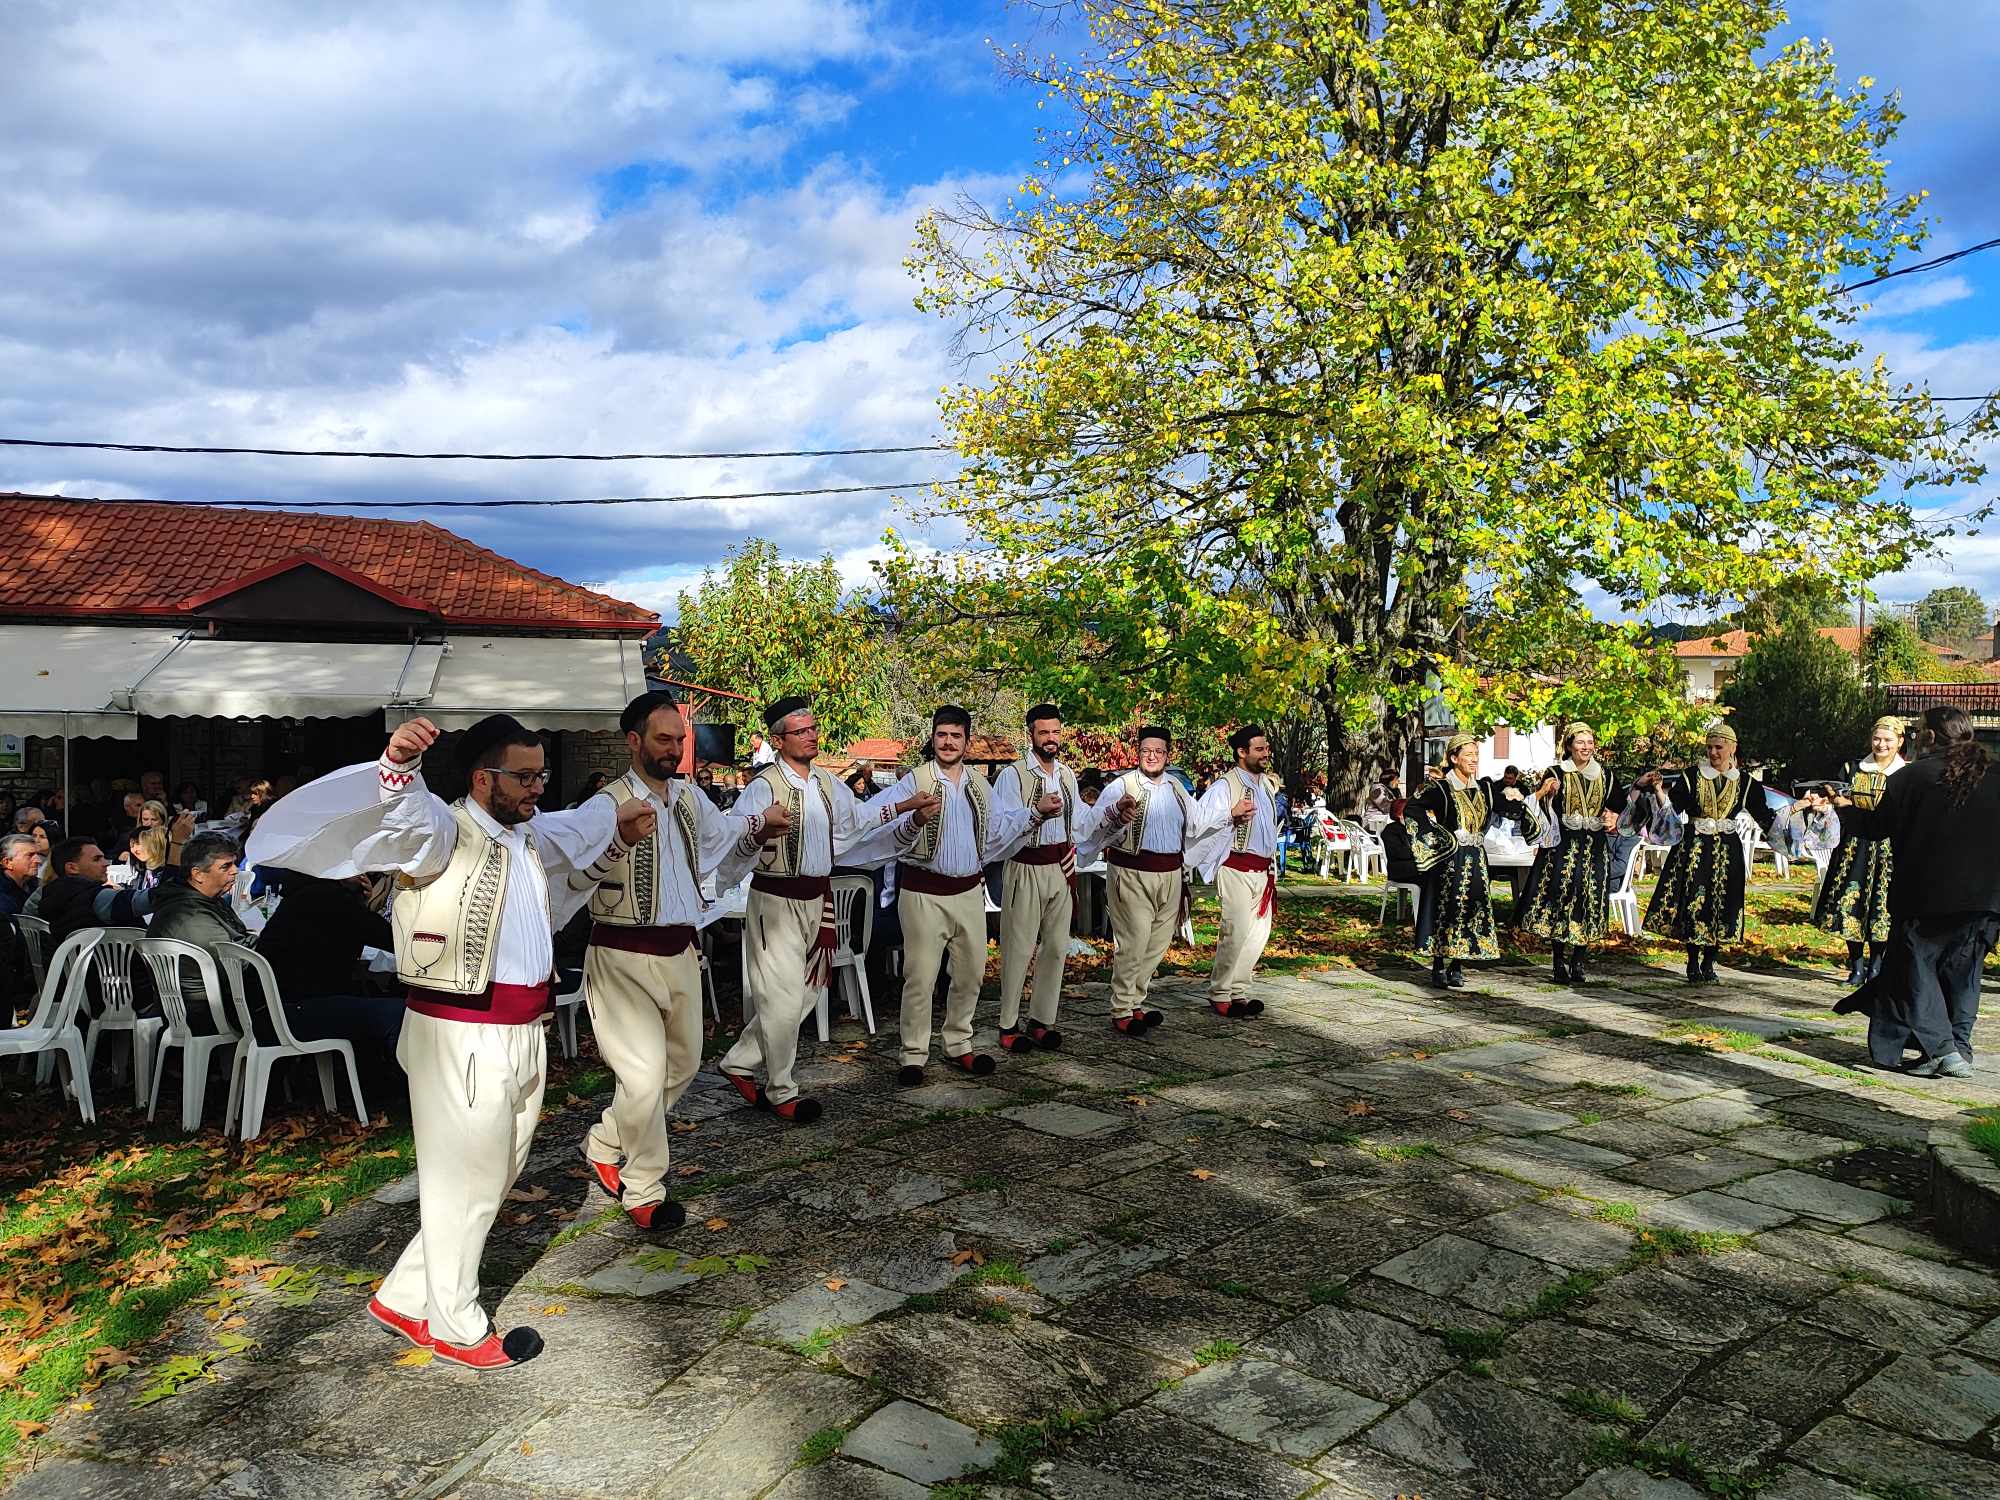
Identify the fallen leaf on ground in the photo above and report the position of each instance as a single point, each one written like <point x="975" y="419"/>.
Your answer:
<point x="305" y="1234"/>
<point x="971" y="1257"/>
<point x="1267" y="1124"/>
<point x="533" y="1194"/>
<point x="1201" y="1174"/>
<point x="1315" y="1163"/>
<point x="30" y="1429"/>
<point x="684" y="1127"/>
<point x="326" y="1208"/>
<point x="415" y="1357"/>
<point x="834" y="1283"/>
<point x="554" y="1310"/>
<point x="690" y="1171"/>
<point x="1358" y="1107"/>
<point x="715" y="1224"/>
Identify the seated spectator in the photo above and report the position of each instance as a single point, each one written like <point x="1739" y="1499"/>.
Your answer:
<point x="25" y="818"/>
<point x="74" y="896"/>
<point x="592" y="785"/>
<point x="313" y="943"/>
<point x="188" y="800"/>
<point x="20" y="870"/>
<point x="253" y="793"/>
<point x="153" y="786"/>
<point x="128" y="819"/>
<point x="145" y="856"/>
<point x="196" y="909"/>
<point x="705" y="779"/>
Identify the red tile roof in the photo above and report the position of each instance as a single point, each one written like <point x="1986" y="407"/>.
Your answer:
<point x="66" y="557"/>
<point x="1735" y="643"/>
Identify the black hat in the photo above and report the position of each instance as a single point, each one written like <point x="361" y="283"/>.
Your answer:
<point x="1242" y="738"/>
<point x="1154" y="732"/>
<point x="491" y="733"/>
<point x="784" y="708"/>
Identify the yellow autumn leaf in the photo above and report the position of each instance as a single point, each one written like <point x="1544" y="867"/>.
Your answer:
<point x="415" y="1357"/>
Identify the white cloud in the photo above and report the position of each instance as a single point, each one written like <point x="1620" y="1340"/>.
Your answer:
<point x="1919" y="296"/>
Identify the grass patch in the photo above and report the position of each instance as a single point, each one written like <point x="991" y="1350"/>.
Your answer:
<point x="1589" y="1119"/>
<point x="1327" y="1293"/>
<point x="1625" y="1090"/>
<point x="1565" y="1294"/>
<point x="1672" y="1461"/>
<point x="998" y="1273"/>
<point x="102" y="1241"/>
<point x="986" y="1182"/>
<point x="958" y="1489"/>
<point x="1217" y="1351"/>
<point x="1414" y="1151"/>
<point x="1984" y="1133"/>
<point x="1655" y="1244"/>
<point x="1124" y="1229"/>
<point x="582" y="1227"/>
<point x="822" y="1341"/>
<point x="995" y="1312"/>
<point x="1618" y="1213"/>
<point x="738" y="1318"/>
<point x="1472" y="1343"/>
<point x="1061" y="1243"/>
<point x="924" y="1302"/>
<point x="1901" y="1489"/>
<point x="1603" y="1407"/>
<point x="1025" y="1444"/>
<point x="1707" y="1038"/>
<point x="1566" y="1029"/>
<point x="822" y="1445"/>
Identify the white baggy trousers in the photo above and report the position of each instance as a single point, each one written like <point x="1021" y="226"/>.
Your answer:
<point x="645" y="1010"/>
<point x="475" y="1096"/>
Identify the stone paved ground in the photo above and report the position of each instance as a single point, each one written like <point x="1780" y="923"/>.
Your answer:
<point x="1509" y="1241"/>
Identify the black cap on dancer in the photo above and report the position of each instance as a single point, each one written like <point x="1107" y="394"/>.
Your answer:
<point x="783" y="709"/>
<point x="1242" y="738"/>
<point x="493" y="731"/>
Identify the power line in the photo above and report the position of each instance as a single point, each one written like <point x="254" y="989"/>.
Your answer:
<point x="512" y="458"/>
<point x="1855" y="286"/>
<point x="846" y="489"/>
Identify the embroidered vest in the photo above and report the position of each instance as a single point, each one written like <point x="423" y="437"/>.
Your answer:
<point x="780" y="857"/>
<point x="1240" y="786"/>
<point x="633" y="898"/>
<point x="931" y="783"/>
<point x="1869" y="783"/>
<point x="1582" y="796"/>
<point x="447" y="927"/>
<point x="1028" y="781"/>
<point x="1136" y="785"/>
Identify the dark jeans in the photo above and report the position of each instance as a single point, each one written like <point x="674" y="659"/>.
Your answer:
<point x="373" y="1020"/>
<point x="1928" y="990"/>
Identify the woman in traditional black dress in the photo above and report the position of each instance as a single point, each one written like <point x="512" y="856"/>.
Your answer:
<point x="1568" y="895"/>
<point x="1853" y="900"/>
<point x="1447" y="823"/>
<point x="1699" y="900"/>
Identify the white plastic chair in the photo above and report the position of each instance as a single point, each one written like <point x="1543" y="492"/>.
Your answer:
<point x="566" y="1009"/>
<point x="850" y="962"/>
<point x="1624" y="901"/>
<point x="1366" y="852"/>
<point x="198" y="1049"/>
<point x="1396" y="890"/>
<point x="35" y="933"/>
<point x="250" y="1068"/>
<point x="112" y="961"/>
<point x="51" y="1031"/>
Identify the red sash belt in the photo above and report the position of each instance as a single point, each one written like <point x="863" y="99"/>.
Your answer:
<point x="658" y="942"/>
<point x="1145" y="859"/>
<point x="793" y="887"/>
<point x="1258" y="864"/>
<point x="1043" y="854"/>
<point x="819" y="957"/>
<point x="498" y="1005"/>
<point x="930" y="883"/>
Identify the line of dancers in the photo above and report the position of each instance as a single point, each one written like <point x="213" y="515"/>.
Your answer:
<point x="484" y="883"/>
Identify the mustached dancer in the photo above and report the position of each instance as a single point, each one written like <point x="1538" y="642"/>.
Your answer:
<point x="480" y="887"/>
<point x="790" y="921"/>
<point x="1242" y="868"/>
<point x="642" y="971"/>
<point x="1038" y="889"/>
<point x="1147" y="823"/>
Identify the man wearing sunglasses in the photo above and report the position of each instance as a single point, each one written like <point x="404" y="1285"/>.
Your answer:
<point x="481" y="886"/>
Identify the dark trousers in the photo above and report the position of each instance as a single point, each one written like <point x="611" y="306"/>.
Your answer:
<point x="1928" y="991"/>
<point x="376" y="1020"/>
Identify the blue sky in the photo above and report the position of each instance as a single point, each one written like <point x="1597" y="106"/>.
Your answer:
<point x="651" y="225"/>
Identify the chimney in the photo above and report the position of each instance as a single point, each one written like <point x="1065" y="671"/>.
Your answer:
<point x="1996" y="640"/>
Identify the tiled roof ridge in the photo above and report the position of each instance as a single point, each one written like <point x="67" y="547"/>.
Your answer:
<point x="466" y="544"/>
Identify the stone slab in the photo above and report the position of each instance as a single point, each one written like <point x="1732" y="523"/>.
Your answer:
<point x="1783" y="1143"/>
<point x="875" y="1196"/>
<point x="1508" y="1440"/>
<point x="1520" y="1119"/>
<point x="1557" y="1358"/>
<point x="760" y="1440"/>
<point x="919" y="1444"/>
<point x="1360" y="1350"/>
<point x="1717" y="1213"/>
<point x="1270" y="1406"/>
<point x="1944" y="1395"/>
<point x="1632" y="1484"/>
<point x="1817" y="1197"/>
<point x="1148" y="1455"/>
<point x="1691" y="1171"/>
<point x="811" y="1308"/>
<point x="844" y="1481"/>
<point x="1548" y="1233"/>
<point x="1722" y="1439"/>
<point x="1875" y="1458"/>
<point x="602" y="1450"/>
<point x="1069" y="1121"/>
<point x="1482" y="1276"/>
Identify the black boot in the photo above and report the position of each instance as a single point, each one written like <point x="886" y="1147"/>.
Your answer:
<point x="1694" y="964"/>
<point x="1708" y="965"/>
<point x="1455" y="976"/>
<point x="1438" y="979"/>
<point x="1576" y="964"/>
<point x="1853" y="965"/>
<point x="1561" y="969"/>
<point x="1874" y="966"/>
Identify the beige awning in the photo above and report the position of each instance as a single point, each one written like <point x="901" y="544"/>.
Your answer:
<point x="582" y="682"/>
<point x="67" y="679"/>
<point x="232" y="679"/>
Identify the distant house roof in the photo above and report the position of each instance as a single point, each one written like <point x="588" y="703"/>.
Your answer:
<point x="65" y="557"/>
<point x="1731" y="644"/>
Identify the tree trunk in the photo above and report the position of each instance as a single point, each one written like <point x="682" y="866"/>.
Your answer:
<point x="1360" y="751"/>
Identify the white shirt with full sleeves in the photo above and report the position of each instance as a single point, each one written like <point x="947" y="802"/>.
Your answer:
<point x="855" y="823"/>
<point x="958" y="855"/>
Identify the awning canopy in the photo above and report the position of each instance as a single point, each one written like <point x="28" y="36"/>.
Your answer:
<point x="583" y="682"/>
<point x="210" y="678"/>
<point x="66" y="679"/>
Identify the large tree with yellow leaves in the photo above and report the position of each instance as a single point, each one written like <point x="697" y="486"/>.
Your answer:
<point x="1339" y="349"/>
